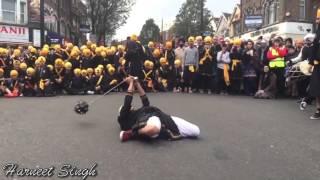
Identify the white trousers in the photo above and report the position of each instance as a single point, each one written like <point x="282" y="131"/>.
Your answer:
<point x="186" y="128"/>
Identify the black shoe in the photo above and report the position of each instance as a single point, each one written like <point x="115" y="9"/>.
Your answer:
<point x="316" y="116"/>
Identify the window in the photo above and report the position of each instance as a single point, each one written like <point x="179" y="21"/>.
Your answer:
<point x="9" y="11"/>
<point x="277" y="13"/>
<point x="302" y="9"/>
<point x="62" y="28"/>
<point x="272" y="12"/>
<point x="67" y="34"/>
<point x="23" y="15"/>
<point x="237" y="28"/>
<point x="52" y="24"/>
<point x="266" y="15"/>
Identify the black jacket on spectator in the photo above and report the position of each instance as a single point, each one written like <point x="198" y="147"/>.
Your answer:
<point x="135" y="57"/>
<point x="315" y="77"/>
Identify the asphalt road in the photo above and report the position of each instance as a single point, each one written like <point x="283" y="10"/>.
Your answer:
<point x="241" y="139"/>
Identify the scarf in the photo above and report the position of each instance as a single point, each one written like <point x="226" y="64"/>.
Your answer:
<point x="206" y="56"/>
<point x="100" y="80"/>
<point x="226" y="74"/>
<point x="235" y="62"/>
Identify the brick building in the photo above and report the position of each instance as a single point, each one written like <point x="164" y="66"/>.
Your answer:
<point x="235" y="22"/>
<point x="288" y="18"/>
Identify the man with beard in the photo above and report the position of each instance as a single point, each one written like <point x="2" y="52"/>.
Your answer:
<point x="180" y="50"/>
<point x="206" y="67"/>
<point x="306" y="53"/>
<point x="169" y="54"/>
<point x="191" y="64"/>
<point x="236" y="66"/>
<point x="149" y="51"/>
<point x="44" y="78"/>
<point x="315" y="77"/>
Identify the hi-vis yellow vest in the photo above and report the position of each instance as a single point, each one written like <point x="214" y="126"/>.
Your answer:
<point x="277" y="62"/>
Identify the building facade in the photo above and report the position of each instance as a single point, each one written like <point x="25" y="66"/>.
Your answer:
<point x="14" y="22"/>
<point x="287" y="18"/>
<point x="235" y="22"/>
<point x="223" y="25"/>
<point x="62" y="20"/>
<point x="20" y="21"/>
<point x="214" y="24"/>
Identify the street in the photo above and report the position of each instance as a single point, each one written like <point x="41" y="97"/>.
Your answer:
<point x="241" y="139"/>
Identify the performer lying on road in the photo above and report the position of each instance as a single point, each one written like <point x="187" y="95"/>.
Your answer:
<point x="149" y="122"/>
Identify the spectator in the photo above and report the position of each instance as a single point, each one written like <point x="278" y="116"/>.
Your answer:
<point x="267" y="85"/>
<point x="180" y="50"/>
<point x="191" y="64"/>
<point x="223" y="59"/>
<point x="276" y="56"/>
<point x="250" y="68"/>
<point x="236" y="70"/>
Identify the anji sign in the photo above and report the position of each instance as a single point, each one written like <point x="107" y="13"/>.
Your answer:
<point x="15" y="34"/>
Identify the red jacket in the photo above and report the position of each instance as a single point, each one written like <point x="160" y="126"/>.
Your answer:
<point x="281" y="51"/>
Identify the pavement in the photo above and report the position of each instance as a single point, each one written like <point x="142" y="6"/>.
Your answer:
<point x="241" y="139"/>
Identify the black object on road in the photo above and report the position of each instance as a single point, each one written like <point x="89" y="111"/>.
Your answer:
<point x="82" y="107"/>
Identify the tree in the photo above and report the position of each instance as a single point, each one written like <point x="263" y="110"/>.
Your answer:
<point x="188" y="21"/>
<point x="149" y="32"/>
<point x="107" y="16"/>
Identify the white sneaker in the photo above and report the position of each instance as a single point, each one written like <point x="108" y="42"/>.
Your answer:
<point x="90" y="92"/>
<point x="303" y="106"/>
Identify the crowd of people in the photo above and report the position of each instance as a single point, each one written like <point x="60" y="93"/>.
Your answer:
<point x="193" y="65"/>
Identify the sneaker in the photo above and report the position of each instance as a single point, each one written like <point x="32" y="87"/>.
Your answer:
<point x="303" y="106"/>
<point x="126" y="135"/>
<point x="316" y="116"/>
<point x="90" y="92"/>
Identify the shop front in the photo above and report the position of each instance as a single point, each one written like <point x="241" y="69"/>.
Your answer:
<point x="14" y="36"/>
<point x="294" y="30"/>
<point x="53" y="38"/>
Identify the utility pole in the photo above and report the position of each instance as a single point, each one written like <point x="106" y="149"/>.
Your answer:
<point x="42" y="22"/>
<point x="201" y="16"/>
<point x="162" y="30"/>
<point x="241" y="17"/>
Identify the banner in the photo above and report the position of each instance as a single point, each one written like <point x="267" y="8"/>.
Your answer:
<point x="14" y="34"/>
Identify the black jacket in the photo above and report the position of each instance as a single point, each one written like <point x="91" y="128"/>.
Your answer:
<point x="136" y="119"/>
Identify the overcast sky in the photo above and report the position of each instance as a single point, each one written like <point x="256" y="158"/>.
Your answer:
<point x="166" y="9"/>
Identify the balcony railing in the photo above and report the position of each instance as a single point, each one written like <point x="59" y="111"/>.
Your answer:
<point x="13" y="17"/>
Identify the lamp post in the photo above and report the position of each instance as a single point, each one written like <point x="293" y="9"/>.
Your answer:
<point x="201" y="16"/>
<point x="42" y="22"/>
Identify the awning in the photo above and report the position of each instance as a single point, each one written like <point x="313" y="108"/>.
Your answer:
<point x="15" y="43"/>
